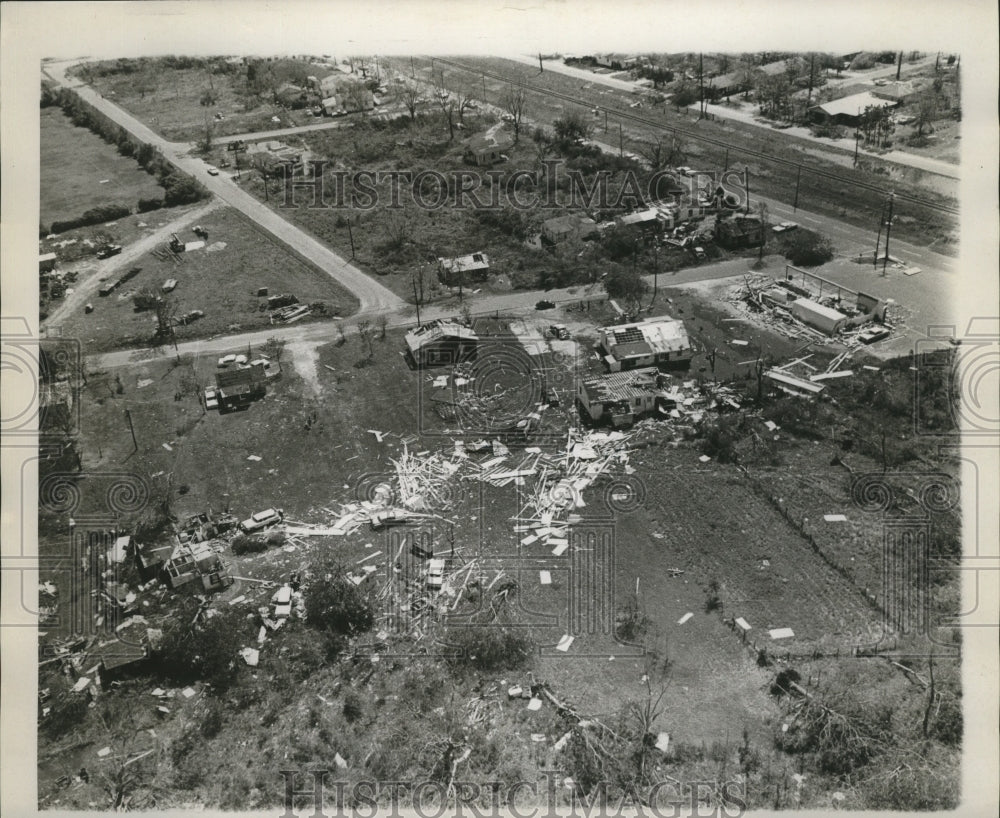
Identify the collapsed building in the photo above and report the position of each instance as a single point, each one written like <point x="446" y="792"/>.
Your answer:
<point x="660" y="342"/>
<point x="820" y="303"/>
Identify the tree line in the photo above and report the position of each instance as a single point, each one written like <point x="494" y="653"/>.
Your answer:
<point x="179" y="188"/>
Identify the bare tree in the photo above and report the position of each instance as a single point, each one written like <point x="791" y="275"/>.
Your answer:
<point x="418" y="280"/>
<point x="383" y="323"/>
<point x="463" y="100"/>
<point x="365" y="333"/>
<point x="513" y="101"/>
<point x="446" y="102"/>
<point x="927" y="108"/>
<point x="409" y="95"/>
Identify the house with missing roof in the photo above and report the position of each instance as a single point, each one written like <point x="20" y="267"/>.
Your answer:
<point x="619" y="398"/>
<point x="441" y="343"/>
<point x="661" y="342"/>
<point x="461" y="270"/>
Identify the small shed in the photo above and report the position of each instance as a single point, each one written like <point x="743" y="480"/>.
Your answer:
<point x="463" y="269"/>
<point x="484" y="152"/>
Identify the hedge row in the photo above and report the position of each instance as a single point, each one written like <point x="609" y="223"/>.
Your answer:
<point x="179" y="188"/>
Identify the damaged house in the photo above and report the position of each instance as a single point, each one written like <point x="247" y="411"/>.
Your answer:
<point x="662" y="342"/>
<point x="455" y="272"/>
<point x="621" y="397"/>
<point x="238" y="388"/>
<point x="441" y="343"/>
<point x="196" y="563"/>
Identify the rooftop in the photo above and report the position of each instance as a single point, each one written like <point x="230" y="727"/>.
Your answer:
<point x="852" y="105"/>
<point x="655" y="335"/>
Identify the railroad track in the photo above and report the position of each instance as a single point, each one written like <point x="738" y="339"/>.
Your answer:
<point x="708" y="140"/>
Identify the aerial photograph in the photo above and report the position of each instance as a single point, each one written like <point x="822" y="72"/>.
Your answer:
<point x="565" y="428"/>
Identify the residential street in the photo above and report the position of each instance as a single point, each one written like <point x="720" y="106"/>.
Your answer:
<point x="926" y="297"/>
<point x="372" y="295"/>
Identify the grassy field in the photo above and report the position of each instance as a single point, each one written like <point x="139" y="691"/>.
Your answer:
<point x="221" y="279"/>
<point x="167" y="96"/>
<point x="849" y="203"/>
<point x="80" y="171"/>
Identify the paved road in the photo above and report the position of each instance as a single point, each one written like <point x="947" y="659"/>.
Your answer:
<point x="373" y="297"/>
<point x="899" y="157"/>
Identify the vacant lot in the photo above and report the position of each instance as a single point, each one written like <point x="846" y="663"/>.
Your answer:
<point x="79" y="171"/>
<point x="221" y="279"/>
<point x="172" y="95"/>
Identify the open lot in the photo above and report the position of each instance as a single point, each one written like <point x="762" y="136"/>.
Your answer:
<point x="80" y="171"/>
<point x="221" y="279"/>
<point x="167" y="95"/>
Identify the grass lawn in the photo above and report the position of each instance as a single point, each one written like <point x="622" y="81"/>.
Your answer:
<point x="79" y="170"/>
<point x="220" y="280"/>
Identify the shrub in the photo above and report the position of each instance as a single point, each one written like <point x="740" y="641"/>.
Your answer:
<point x="145" y="205"/>
<point x="206" y="651"/>
<point x="489" y="648"/>
<point x="96" y="215"/>
<point x="242" y="544"/>
<point x="66" y="710"/>
<point x="806" y="248"/>
<point x="337" y="606"/>
<point x="145" y="300"/>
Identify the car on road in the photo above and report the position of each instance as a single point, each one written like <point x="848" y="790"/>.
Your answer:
<point x="213" y="171"/>
<point x="544" y="305"/>
<point x="784" y="227"/>
<point x="109" y="250"/>
<point x="261" y="520"/>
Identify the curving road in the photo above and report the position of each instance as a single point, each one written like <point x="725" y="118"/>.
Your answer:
<point x="373" y="297"/>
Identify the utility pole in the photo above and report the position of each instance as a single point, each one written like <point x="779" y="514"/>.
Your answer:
<point x="857" y="138"/>
<point x="888" y="229"/>
<point x="413" y="73"/>
<point x="878" y="239"/>
<point x="621" y="141"/>
<point x="899" y="65"/>
<point x="798" y="178"/>
<point x="350" y="235"/>
<point x="267" y="195"/>
<point x="484" y="88"/>
<point x="701" y="86"/>
<point x="812" y="67"/>
<point x="725" y="165"/>
<point x="747" y="172"/>
<point x="605" y="120"/>
<point x="541" y="68"/>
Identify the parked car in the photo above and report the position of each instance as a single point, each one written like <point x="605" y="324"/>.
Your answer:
<point x="784" y="227"/>
<point x="213" y="171"/>
<point x="109" y="250"/>
<point x="194" y="315"/>
<point x="262" y="520"/>
<point x="240" y="360"/>
<point x="544" y="305"/>
<point x="169" y="285"/>
<point x="699" y="252"/>
<point x="226" y="360"/>
<point x="873" y="334"/>
<point x="559" y="331"/>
